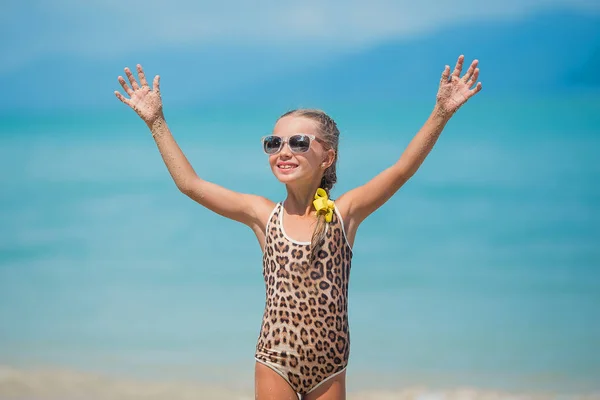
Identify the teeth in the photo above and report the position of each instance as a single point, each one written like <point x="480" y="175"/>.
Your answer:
<point x="287" y="166"/>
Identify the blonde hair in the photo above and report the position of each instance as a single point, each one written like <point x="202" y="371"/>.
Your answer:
<point x="329" y="134"/>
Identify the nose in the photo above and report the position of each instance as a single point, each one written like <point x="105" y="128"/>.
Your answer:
<point x="285" y="150"/>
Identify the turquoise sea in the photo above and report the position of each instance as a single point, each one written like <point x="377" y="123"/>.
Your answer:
<point x="483" y="270"/>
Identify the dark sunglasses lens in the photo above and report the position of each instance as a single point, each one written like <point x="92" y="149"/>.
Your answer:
<point x="299" y="143"/>
<point x="271" y="144"/>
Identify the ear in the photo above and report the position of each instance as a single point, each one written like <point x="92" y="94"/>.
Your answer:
<point x="329" y="159"/>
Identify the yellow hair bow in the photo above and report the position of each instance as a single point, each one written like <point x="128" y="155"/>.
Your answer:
<point x="323" y="204"/>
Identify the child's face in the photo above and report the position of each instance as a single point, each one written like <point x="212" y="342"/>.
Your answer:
<point x="290" y="167"/>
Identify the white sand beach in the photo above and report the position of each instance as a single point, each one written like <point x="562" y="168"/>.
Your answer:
<point x="56" y="384"/>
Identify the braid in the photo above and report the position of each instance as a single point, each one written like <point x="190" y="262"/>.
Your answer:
<point x="329" y="178"/>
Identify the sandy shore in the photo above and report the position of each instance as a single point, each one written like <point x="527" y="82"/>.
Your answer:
<point x="18" y="384"/>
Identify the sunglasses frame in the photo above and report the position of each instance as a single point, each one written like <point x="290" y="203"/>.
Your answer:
<point x="285" y="140"/>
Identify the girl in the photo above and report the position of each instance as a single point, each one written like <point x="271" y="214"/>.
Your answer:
<point x="307" y="239"/>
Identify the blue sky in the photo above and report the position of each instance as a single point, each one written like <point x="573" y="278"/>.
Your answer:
<point x="110" y="28"/>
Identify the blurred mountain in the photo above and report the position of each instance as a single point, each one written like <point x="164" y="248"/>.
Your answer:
<point x="587" y="74"/>
<point x="542" y="52"/>
<point x="188" y="76"/>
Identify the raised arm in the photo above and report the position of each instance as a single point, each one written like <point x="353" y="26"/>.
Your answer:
<point x="453" y="92"/>
<point x="146" y="102"/>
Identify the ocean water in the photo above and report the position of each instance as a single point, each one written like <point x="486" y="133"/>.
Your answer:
<point x="483" y="270"/>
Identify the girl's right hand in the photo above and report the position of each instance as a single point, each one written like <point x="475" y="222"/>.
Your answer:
<point x="146" y="102"/>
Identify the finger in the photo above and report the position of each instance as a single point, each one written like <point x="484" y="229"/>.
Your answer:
<point x="473" y="79"/>
<point x="121" y="97"/>
<point x="445" y="74"/>
<point x="126" y="87"/>
<point x="156" y="84"/>
<point x="142" y="75"/>
<point x="474" y="91"/>
<point x="131" y="78"/>
<point x="458" y="67"/>
<point x="470" y="71"/>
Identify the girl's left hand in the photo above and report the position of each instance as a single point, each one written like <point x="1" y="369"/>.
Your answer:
<point x="454" y="91"/>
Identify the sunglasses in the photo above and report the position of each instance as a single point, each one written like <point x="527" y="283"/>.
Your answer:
<point x="299" y="143"/>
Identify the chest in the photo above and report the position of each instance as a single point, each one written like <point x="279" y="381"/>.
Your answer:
<point x="297" y="229"/>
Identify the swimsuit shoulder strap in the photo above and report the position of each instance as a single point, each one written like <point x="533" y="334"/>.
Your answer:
<point x="273" y="217"/>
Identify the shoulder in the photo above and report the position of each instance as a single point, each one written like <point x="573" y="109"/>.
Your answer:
<point x="342" y="205"/>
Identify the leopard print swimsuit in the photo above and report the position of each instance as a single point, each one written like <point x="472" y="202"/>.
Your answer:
<point x="304" y="335"/>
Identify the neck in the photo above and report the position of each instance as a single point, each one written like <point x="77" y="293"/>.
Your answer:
<point x="299" y="200"/>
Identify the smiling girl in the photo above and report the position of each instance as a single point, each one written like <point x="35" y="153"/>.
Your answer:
<point x="304" y="341"/>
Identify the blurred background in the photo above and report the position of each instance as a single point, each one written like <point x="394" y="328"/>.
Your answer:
<point x="483" y="271"/>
